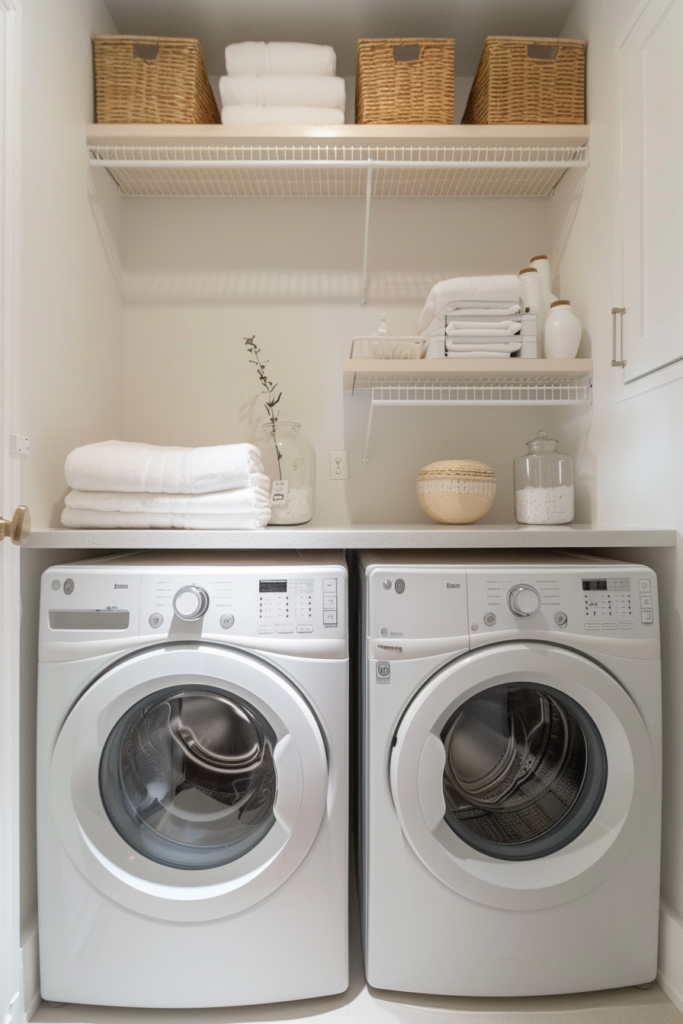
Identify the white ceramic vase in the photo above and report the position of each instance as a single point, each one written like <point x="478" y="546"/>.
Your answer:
<point x="562" y="332"/>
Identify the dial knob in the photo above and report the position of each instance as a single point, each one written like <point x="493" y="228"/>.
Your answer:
<point x="190" y="603"/>
<point x="523" y="601"/>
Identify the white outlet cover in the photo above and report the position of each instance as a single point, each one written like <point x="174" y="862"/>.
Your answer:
<point x="339" y="465"/>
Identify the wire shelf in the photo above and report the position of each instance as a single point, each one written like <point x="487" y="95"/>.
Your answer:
<point x="308" y="171"/>
<point x="494" y="390"/>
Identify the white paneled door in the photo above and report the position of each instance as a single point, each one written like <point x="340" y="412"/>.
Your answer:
<point x="11" y="1008"/>
<point x="652" y="188"/>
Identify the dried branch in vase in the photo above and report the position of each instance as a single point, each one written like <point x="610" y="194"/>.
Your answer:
<point x="269" y="388"/>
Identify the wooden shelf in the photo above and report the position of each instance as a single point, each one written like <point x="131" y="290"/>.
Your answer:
<point x="344" y="160"/>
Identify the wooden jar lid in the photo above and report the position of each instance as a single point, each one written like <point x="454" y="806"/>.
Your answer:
<point x="457" y="469"/>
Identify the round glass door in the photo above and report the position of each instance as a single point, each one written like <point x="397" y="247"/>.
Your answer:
<point x="187" y="777"/>
<point x="525" y="771"/>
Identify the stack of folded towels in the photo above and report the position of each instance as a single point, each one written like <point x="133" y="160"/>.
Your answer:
<point x="119" y="484"/>
<point x="469" y="314"/>
<point x="285" y="83"/>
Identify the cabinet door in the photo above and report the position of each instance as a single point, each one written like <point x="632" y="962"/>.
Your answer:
<point x="652" y="188"/>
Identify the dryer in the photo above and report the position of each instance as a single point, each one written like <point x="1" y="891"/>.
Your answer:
<point x="192" y="779"/>
<point x="511" y="774"/>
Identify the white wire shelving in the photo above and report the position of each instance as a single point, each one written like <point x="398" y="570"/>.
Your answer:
<point x="510" y="382"/>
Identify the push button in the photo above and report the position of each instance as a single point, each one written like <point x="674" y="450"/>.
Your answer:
<point x="285" y="629"/>
<point x="644" y="586"/>
<point x="329" y="586"/>
<point x="647" y="617"/>
<point x="330" y="617"/>
<point x="329" y="600"/>
<point x="609" y="625"/>
<point x="304" y="629"/>
<point x="625" y="625"/>
<point x="592" y="625"/>
<point x="156" y="620"/>
<point x="646" y="601"/>
<point x="265" y="629"/>
<point x="227" y="621"/>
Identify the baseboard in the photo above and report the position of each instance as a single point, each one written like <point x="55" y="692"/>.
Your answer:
<point x="670" y="974"/>
<point x="30" y="971"/>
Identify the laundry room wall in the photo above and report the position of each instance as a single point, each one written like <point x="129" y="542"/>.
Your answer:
<point x="200" y="275"/>
<point x="632" y="450"/>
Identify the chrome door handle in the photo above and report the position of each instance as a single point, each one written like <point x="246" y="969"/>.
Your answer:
<point x="18" y="527"/>
<point x="618" y="311"/>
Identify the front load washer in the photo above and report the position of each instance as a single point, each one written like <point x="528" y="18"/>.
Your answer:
<point x="512" y="773"/>
<point x="192" y="779"/>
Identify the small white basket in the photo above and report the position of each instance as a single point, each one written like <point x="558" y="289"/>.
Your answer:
<point x="387" y="348"/>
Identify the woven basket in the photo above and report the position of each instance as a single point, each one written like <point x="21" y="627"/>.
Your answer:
<point x="529" y="81"/>
<point x="405" y="81"/>
<point x="456" y="490"/>
<point x="152" y="80"/>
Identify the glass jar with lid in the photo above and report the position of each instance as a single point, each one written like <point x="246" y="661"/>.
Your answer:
<point x="289" y="460"/>
<point x="544" y="484"/>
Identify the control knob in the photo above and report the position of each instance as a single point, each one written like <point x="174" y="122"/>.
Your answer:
<point x="523" y="601"/>
<point x="190" y="603"/>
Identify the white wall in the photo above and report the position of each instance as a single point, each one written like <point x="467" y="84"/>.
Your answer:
<point x="70" y="315"/>
<point x="633" y="449"/>
<point x="201" y="274"/>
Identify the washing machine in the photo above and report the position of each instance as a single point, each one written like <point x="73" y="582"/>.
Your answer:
<point x="511" y="773"/>
<point x="192" y="779"/>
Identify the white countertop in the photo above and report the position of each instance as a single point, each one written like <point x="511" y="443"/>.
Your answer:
<point x="421" y="535"/>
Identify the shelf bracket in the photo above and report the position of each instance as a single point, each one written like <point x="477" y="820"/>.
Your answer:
<point x="366" y="238"/>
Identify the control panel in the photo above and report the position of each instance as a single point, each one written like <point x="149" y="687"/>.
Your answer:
<point x="288" y="602"/>
<point x="617" y="603"/>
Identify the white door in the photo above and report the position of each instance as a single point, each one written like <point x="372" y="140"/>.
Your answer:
<point x="522" y="774"/>
<point x="10" y="956"/>
<point x="189" y="782"/>
<point x="652" y="188"/>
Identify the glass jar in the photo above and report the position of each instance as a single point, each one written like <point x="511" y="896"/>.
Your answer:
<point x="544" y="484"/>
<point x="289" y="461"/>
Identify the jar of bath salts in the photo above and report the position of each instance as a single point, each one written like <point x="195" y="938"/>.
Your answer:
<point x="289" y="460"/>
<point x="544" y="484"/>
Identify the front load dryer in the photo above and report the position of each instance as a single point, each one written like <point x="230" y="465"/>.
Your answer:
<point x="192" y="780"/>
<point x="512" y="773"/>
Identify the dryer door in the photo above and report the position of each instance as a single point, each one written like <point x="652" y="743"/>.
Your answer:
<point x="189" y="782"/>
<point x="522" y="774"/>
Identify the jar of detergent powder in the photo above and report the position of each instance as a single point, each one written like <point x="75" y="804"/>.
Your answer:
<point x="544" y="484"/>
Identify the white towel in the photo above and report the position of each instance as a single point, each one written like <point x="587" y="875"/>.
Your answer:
<point x="246" y="508"/>
<point x="283" y="91"/>
<point x="494" y="346"/>
<point x="84" y="519"/>
<point x="435" y="327"/>
<point x="281" y="115"/>
<point x="470" y="293"/>
<point x="482" y="328"/>
<point x="132" y="467"/>
<point x="279" y="59"/>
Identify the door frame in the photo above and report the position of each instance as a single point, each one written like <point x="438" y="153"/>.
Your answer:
<point x="11" y="995"/>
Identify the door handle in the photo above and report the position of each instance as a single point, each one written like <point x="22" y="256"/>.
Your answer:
<point x="18" y="527"/>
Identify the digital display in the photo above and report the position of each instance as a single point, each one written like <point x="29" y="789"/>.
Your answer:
<point x="272" y="586"/>
<point x="615" y="584"/>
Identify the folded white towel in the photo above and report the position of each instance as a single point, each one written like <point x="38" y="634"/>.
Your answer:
<point x="493" y="346"/>
<point x="279" y="59"/>
<point x="281" y="115"/>
<point x="128" y="466"/>
<point x="283" y="91"/>
<point x="437" y="324"/>
<point x="244" y="499"/>
<point x="482" y="328"/>
<point x="89" y="519"/>
<point x="469" y="292"/>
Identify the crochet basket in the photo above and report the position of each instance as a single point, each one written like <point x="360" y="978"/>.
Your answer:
<point x="405" y="81"/>
<point x="456" y="490"/>
<point x="524" y="80"/>
<point x="152" y="80"/>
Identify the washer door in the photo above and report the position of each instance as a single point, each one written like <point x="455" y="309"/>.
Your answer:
<point x="522" y="774"/>
<point x="188" y="783"/>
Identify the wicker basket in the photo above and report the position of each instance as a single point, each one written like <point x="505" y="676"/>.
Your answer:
<point x="529" y="81"/>
<point x="152" y="80"/>
<point x="405" y="81"/>
<point x="456" y="490"/>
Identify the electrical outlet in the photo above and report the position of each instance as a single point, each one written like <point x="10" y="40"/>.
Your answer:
<point x="19" y="445"/>
<point x="339" y="465"/>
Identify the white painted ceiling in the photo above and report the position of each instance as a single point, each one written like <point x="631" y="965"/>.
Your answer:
<point x="339" y="23"/>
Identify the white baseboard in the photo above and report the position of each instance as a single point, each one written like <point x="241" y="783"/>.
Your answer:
<point x="30" y="971"/>
<point x="670" y="974"/>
